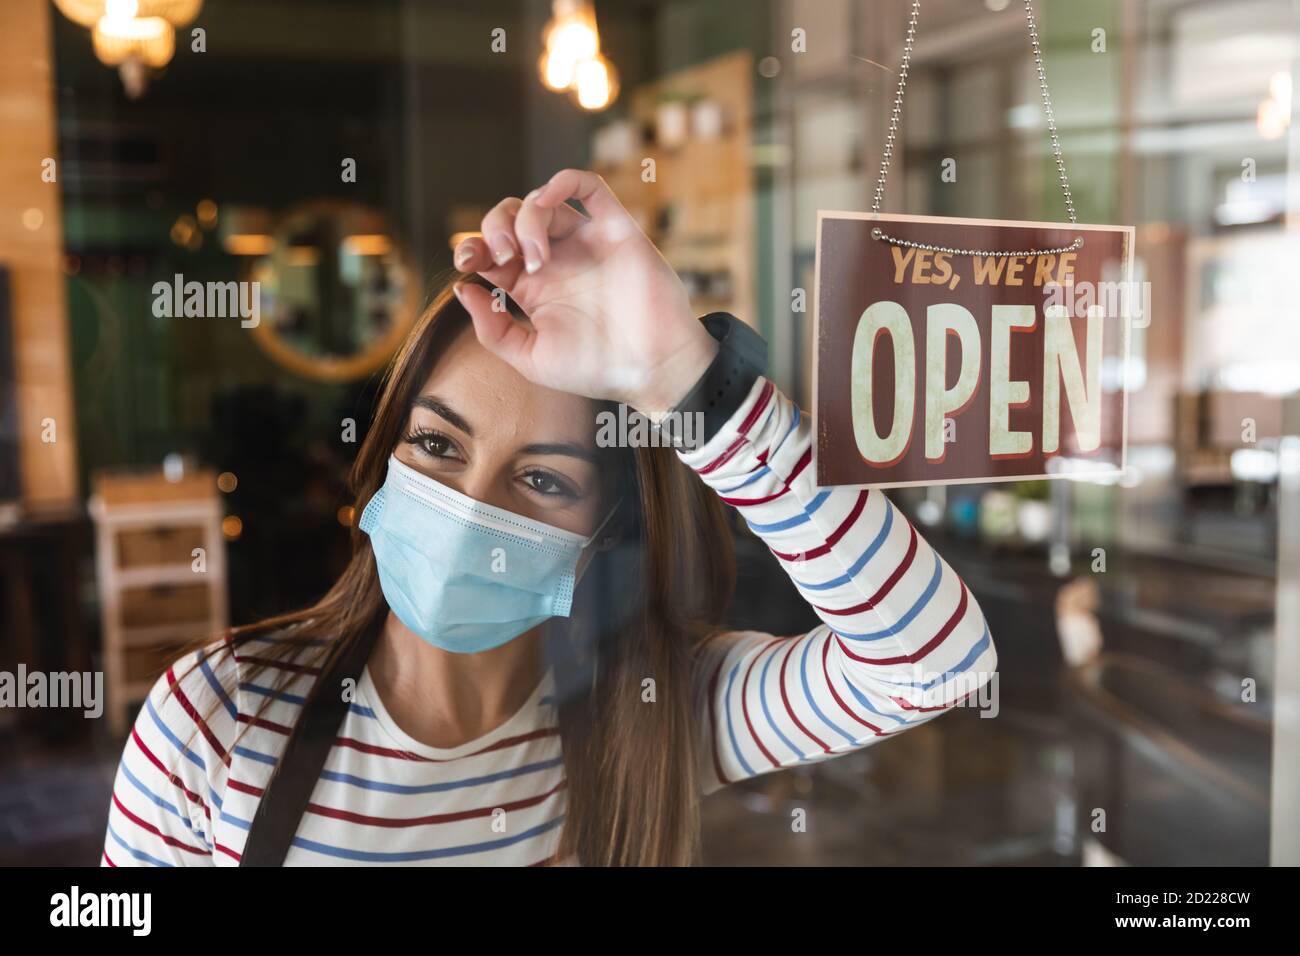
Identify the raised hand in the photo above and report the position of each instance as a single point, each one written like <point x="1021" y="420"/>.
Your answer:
<point x="609" y="318"/>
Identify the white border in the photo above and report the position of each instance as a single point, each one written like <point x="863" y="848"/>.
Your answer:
<point x="1125" y="326"/>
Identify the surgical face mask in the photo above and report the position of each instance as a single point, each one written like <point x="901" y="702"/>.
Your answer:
<point x="464" y="575"/>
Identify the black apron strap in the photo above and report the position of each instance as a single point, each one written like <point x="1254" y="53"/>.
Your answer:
<point x="285" y="798"/>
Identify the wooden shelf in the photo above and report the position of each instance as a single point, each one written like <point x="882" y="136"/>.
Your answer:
<point x="148" y="522"/>
<point x="704" y="188"/>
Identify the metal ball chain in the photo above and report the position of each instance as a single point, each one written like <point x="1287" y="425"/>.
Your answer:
<point x="878" y="233"/>
<point x="897" y="113"/>
<point x="1047" y="109"/>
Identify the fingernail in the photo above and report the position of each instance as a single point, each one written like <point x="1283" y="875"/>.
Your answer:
<point x="464" y="254"/>
<point x="532" y="256"/>
<point x="503" y="250"/>
<point x="458" y="292"/>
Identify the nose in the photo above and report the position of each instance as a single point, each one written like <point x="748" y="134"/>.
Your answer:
<point x="482" y="484"/>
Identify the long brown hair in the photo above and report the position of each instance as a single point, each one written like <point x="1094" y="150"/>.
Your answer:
<point x="623" y="662"/>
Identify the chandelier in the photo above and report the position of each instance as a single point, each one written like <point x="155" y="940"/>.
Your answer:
<point x="133" y="35"/>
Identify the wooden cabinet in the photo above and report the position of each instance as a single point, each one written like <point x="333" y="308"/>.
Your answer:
<point x="161" y="568"/>
<point x="698" y="207"/>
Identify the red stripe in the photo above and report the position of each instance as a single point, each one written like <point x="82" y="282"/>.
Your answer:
<point x="803" y="462"/>
<point x="378" y="751"/>
<point x="108" y="859"/>
<point x="885" y="588"/>
<point x="150" y="828"/>
<point x="502" y="744"/>
<point x="229" y="852"/>
<point x="786" y="700"/>
<point x="271" y="725"/>
<point x="744" y="702"/>
<point x="930" y="645"/>
<point x="174" y="780"/>
<point x="833" y="538"/>
<point x="202" y="724"/>
<point x="830" y="685"/>
<point x="763" y="399"/>
<point x="725" y="457"/>
<point x="233" y="784"/>
<point x="925" y="710"/>
<point x="388" y="822"/>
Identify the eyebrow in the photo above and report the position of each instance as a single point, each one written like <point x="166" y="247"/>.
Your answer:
<point x="440" y="408"/>
<point x="561" y="448"/>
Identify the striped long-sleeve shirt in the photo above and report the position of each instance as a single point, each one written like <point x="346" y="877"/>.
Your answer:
<point x="902" y="640"/>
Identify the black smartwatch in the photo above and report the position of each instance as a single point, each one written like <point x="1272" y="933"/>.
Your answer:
<point x="720" y="391"/>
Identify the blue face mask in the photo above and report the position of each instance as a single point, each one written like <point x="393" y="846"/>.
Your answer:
<point x="464" y="575"/>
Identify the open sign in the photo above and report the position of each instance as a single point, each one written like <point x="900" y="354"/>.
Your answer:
<point x="958" y="350"/>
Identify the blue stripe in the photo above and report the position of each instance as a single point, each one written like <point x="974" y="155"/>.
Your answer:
<point x="731" y="730"/>
<point x="382" y="787"/>
<point x="795" y="520"/>
<point x="217" y="688"/>
<point x="762" y="698"/>
<point x="154" y="798"/>
<point x="255" y="755"/>
<point x="234" y="820"/>
<point x="866" y="702"/>
<point x="137" y="854"/>
<point x="189" y="755"/>
<point x="860" y="563"/>
<point x="965" y="665"/>
<point x="811" y="698"/>
<point x="788" y="432"/>
<point x="370" y="856"/>
<point x="748" y="481"/>
<point x="907" y="618"/>
<point x="269" y="692"/>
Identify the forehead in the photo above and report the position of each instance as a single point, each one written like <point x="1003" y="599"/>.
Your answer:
<point x="502" y="406"/>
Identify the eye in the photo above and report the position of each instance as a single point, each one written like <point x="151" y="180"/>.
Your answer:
<point x="545" y="483"/>
<point x="434" y="444"/>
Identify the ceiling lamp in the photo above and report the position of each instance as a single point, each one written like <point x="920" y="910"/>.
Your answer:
<point x="133" y="35"/>
<point x="151" y="40"/>
<point x="595" y="83"/>
<point x="571" y="60"/>
<point x="87" y="13"/>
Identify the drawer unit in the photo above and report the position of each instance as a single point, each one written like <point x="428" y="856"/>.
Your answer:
<point x="151" y="547"/>
<point x="156" y="598"/>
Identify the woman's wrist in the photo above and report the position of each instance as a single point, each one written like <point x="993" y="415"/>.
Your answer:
<point x="673" y="378"/>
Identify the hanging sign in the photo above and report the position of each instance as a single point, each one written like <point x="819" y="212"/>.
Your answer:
<point x="962" y="350"/>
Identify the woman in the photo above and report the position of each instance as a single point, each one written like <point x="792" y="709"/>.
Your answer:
<point x="492" y="723"/>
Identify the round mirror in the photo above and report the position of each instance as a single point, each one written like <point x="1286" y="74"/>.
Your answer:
<point x="338" y="293"/>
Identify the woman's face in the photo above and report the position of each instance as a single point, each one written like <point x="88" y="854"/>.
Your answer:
<point x="480" y="427"/>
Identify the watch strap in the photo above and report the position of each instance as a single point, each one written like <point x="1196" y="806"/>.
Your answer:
<point x="725" y="384"/>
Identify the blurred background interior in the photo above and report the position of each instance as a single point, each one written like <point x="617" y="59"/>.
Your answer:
<point x="333" y="150"/>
